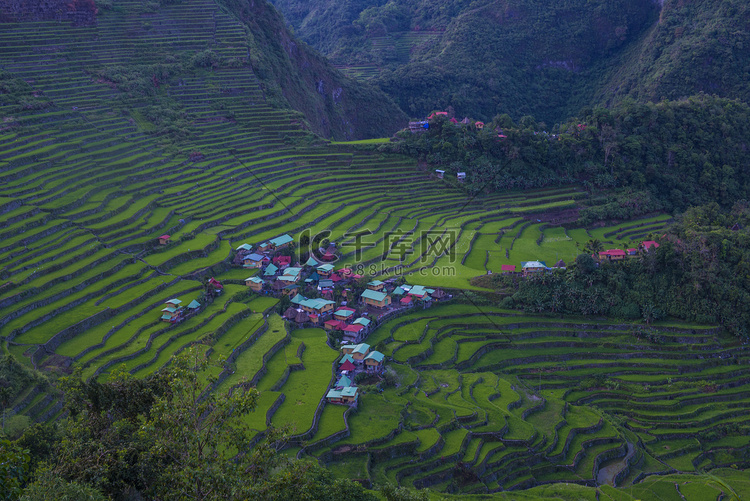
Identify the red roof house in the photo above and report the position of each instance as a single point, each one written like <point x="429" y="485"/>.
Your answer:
<point x="215" y="284"/>
<point x="164" y="239"/>
<point x="331" y="325"/>
<point x="281" y="261"/>
<point x="508" y="268"/>
<point x="613" y="254"/>
<point x="355" y="328"/>
<point x="406" y="300"/>
<point x="648" y="244"/>
<point x="347" y="366"/>
<point x="436" y="114"/>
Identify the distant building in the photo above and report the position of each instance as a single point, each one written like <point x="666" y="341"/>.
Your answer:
<point x="613" y="255"/>
<point x="440" y="173"/>
<point x="418" y="126"/>
<point x="164" y="239"/>
<point x="508" y="268"/>
<point x="529" y="267"/>
<point x="461" y="176"/>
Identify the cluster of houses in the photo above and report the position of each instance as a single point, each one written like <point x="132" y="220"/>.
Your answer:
<point x="619" y="254"/>
<point x="278" y="275"/>
<point x="356" y="359"/>
<point x="531" y="267"/>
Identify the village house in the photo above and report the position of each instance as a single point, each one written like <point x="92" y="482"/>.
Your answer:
<point x="420" y="292"/>
<point x="282" y="261"/>
<point x="215" y="285"/>
<point x="334" y="325"/>
<point x="346" y="365"/>
<point x="343" y="382"/>
<point x="254" y="283"/>
<point x="244" y="248"/>
<point x="164" y="239"/>
<point x="418" y="126"/>
<point x="291" y="274"/>
<point x="347" y="395"/>
<point x="290" y="290"/>
<point x="325" y="270"/>
<point x="353" y="333"/>
<point x="613" y="255"/>
<point x="479" y="125"/>
<point x="632" y="252"/>
<point x="253" y="261"/>
<point x="440" y="173"/>
<point x="461" y="176"/>
<point x="363" y="322"/>
<point x="508" y="268"/>
<point x="271" y="270"/>
<point x="647" y="245"/>
<point x="343" y="313"/>
<point x="172" y="312"/>
<point x="357" y="351"/>
<point x="376" y="285"/>
<point x="264" y="247"/>
<point x="281" y="242"/>
<point x="346" y="358"/>
<point x="529" y="267"/>
<point x="312" y="262"/>
<point x="375" y="298"/>
<point x="317" y="306"/>
<point x="374" y="361"/>
<point x="436" y="114"/>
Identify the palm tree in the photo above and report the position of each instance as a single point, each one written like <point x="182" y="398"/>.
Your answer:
<point x="593" y="246"/>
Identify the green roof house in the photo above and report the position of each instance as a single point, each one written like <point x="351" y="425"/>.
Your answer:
<point x="271" y="270"/>
<point x="375" y="298"/>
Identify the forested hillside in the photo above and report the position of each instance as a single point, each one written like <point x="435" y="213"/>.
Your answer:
<point x="673" y="154"/>
<point x="521" y="57"/>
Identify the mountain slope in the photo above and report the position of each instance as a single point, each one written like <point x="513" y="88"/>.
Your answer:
<point x="145" y="48"/>
<point x="487" y="57"/>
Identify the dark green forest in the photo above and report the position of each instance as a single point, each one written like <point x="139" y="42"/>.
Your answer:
<point x="546" y="59"/>
<point x="667" y="156"/>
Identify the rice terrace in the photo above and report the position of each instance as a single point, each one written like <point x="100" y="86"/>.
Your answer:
<point x="104" y="221"/>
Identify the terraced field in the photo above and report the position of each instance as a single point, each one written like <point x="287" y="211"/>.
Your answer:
<point x="491" y="400"/>
<point x="396" y="47"/>
<point x="487" y="399"/>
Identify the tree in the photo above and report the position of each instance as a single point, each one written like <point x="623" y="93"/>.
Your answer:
<point x="51" y="486"/>
<point x="593" y="246"/>
<point x="14" y="470"/>
<point x="199" y="436"/>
